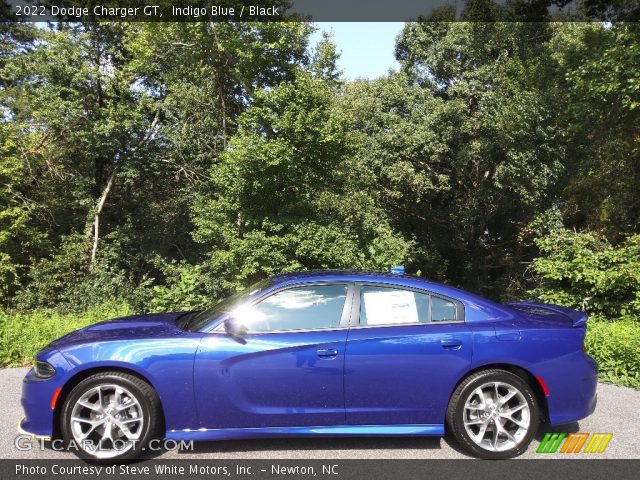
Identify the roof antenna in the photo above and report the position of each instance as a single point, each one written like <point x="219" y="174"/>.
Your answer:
<point x="397" y="270"/>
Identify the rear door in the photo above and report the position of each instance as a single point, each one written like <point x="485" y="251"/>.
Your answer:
<point x="404" y="356"/>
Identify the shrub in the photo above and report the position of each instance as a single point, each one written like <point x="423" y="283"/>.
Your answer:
<point x="23" y="334"/>
<point x="615" y="345"/>
<point x="584" y="271"/>
<point x="184" y="289"/>
<point x="66" y="282"/>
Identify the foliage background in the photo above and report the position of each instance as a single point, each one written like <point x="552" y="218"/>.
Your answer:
<point x="149" y="167"/>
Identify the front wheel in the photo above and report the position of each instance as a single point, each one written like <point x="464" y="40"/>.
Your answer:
<point x="493" y="414"/>
<point x="110" y="416"/>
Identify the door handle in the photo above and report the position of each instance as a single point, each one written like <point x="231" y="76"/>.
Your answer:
<point x="327" y="353"/>
<point x="451" y="343"/>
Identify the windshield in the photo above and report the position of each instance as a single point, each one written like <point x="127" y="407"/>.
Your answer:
<point x="194" y="321"/>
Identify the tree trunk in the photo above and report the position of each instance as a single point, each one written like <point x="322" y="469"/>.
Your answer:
<point x="94" y="229"/>
<point x="98" y="212"/>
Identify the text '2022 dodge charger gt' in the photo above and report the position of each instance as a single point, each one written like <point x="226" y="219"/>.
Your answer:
<point x="332" y="353"/>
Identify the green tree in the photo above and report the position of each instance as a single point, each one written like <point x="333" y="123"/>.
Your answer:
<point x="466" y="144"/>
<point x="131" y="116"/>
<point x="602" y="119"/>
<point x="289" y="195"/>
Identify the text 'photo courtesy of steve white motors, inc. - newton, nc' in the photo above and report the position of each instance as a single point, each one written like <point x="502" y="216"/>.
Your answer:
<point x="150" y="11"/>
<point x="188" y="469"/>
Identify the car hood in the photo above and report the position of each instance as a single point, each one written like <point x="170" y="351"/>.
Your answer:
<point x="126" y="328"/>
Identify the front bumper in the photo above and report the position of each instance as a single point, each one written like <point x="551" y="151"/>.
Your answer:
<point x="37" y="394"/>
<point x="22" y="431"/>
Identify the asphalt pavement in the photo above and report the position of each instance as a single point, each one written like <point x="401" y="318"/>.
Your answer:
<point x="618" y="412"/>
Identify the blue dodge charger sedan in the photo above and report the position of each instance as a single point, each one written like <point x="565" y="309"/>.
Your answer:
<point x="332" y="353"/>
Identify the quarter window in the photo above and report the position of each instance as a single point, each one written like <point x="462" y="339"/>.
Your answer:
<point x="299" y="308"/>
<point x="395" y="306"/>
<point x="442" y="310"/>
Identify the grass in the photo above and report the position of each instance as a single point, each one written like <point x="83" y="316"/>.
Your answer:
<point x="615" y="345"/>
<point x="23" y="334"/>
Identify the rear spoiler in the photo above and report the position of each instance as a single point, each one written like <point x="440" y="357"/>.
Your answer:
<point x="576" y="317"/>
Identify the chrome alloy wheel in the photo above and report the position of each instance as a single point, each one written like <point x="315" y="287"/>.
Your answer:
<point x="497" y="416"/>
<point x="107" y="421"/>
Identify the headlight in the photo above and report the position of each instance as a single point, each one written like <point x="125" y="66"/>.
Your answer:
<point x="43" y="369"/>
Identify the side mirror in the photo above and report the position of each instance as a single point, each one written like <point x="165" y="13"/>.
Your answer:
<point x="235" y="328"/>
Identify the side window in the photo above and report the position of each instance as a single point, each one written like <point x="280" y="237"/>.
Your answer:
<point x="298" y="308"/>
<point x="442" y="310"/>
<point x="395" y="306"/>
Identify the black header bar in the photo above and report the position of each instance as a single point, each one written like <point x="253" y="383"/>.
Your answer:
<point x="319" y="10"/>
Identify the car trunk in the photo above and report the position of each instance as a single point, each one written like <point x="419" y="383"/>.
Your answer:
<point x="553" y="313"/>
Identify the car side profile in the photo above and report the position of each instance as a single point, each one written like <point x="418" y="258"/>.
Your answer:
<point x="332" y="353"/>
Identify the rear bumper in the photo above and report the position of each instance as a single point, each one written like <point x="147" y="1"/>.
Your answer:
<point x="573" y="395"/>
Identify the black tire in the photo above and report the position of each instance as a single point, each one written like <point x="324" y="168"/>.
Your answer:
<point x="144" y="394"/>
<point x="466" y="389"/>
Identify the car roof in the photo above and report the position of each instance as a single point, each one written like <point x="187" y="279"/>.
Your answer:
<point x="370" y="276"/>
<point x="489" y="308"/>
<point x="312" y="275"/>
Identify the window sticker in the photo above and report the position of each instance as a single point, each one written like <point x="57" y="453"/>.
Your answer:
<point x="384" y="307"/>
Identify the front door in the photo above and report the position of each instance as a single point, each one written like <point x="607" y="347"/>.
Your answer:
<point x="286" y="371"/>
<point x="404" y="356"/>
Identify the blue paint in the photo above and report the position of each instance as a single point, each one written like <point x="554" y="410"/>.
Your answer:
<point x="349" y="380"/>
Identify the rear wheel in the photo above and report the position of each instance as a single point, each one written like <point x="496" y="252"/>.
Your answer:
<point x="110" y="416"/>
<point x="493" y="414"/>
